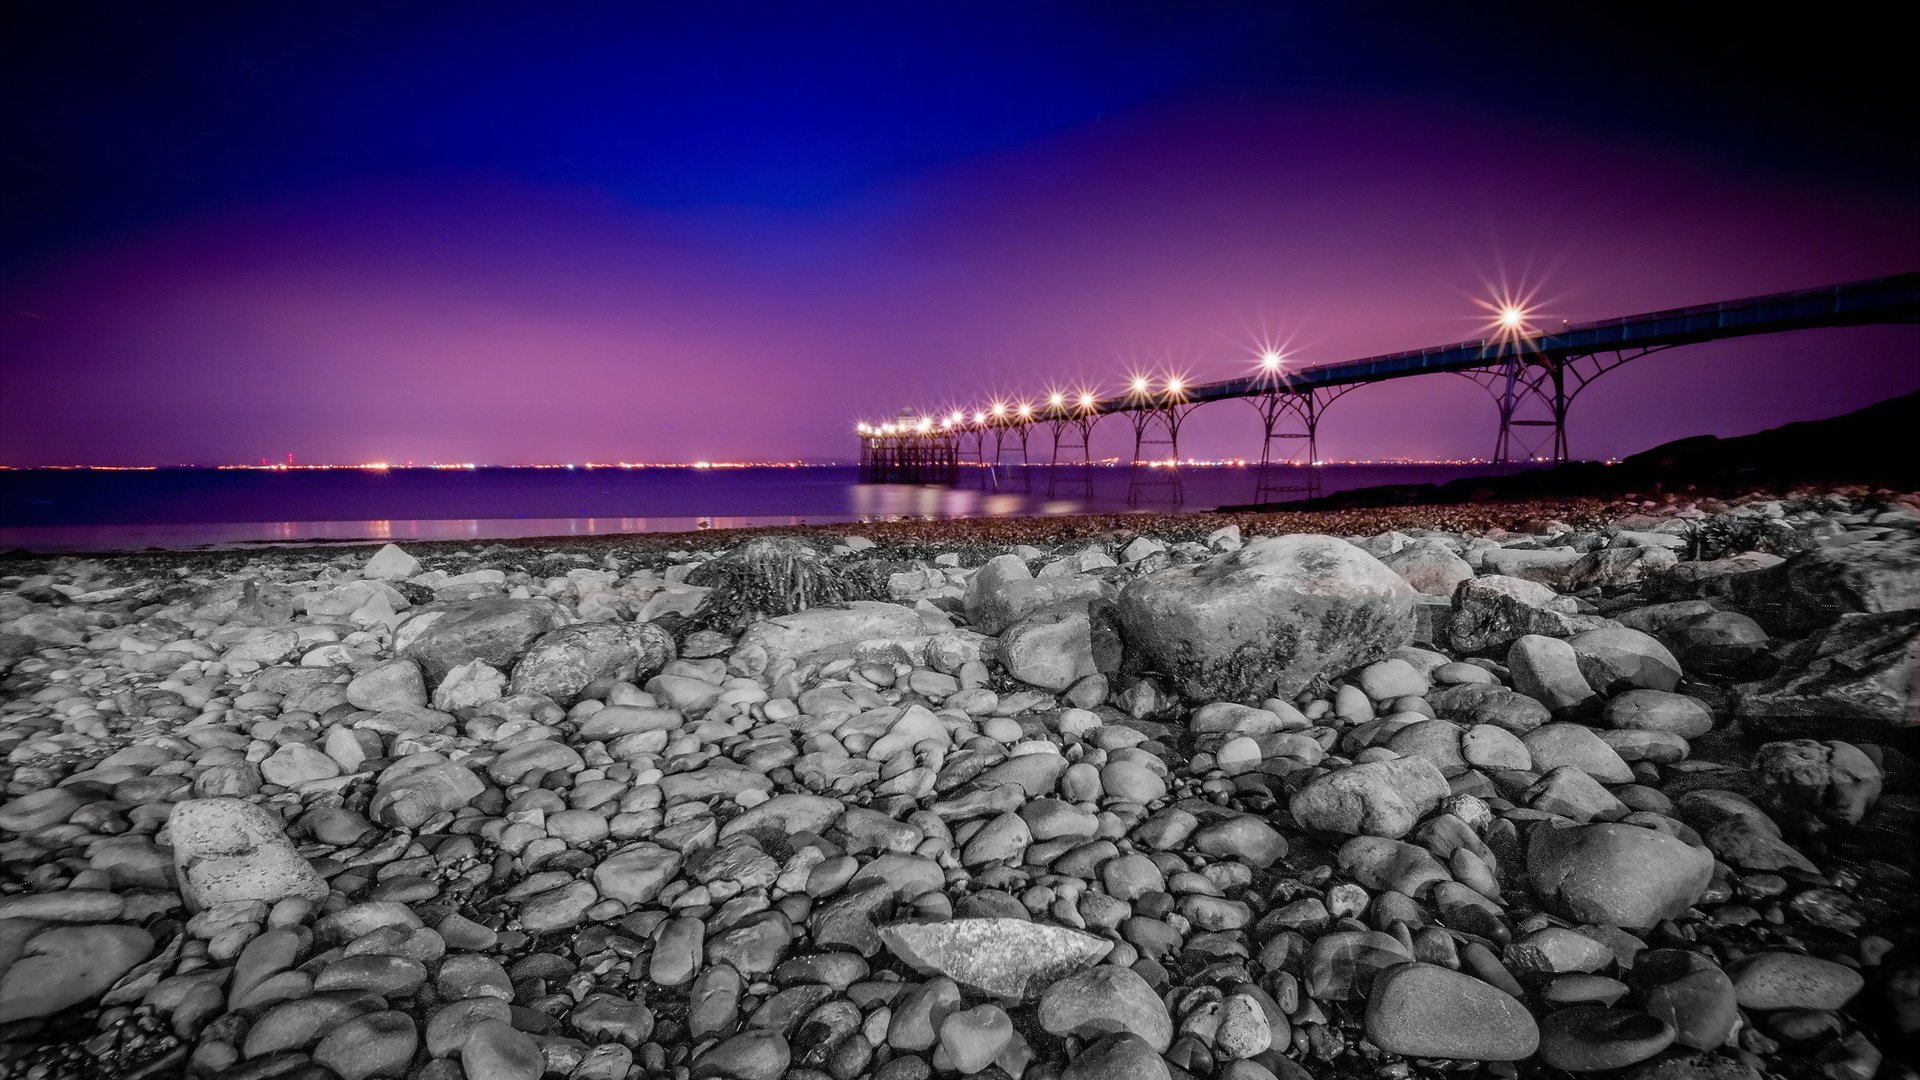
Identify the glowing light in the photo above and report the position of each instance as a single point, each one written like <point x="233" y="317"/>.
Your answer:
<point x="926" y="423"/>
<point x="1086" y="400"/>
<point x="999" y="408"/>
<point x="954" y="417"/>
<point x="1512" y="317"/>
<point x="1056" y="399"/>
<point x="979" y="417"/>
<point x="1270" y="360"/>
<point x="1174" y="384"/>
<point x="1026" y="410"/>
<point x="1140" y="384"/>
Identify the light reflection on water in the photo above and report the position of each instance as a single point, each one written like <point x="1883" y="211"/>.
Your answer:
<point x="190" y="509"/>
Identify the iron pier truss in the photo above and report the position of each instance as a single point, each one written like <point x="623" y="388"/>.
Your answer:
<point x="1532" y="378"/>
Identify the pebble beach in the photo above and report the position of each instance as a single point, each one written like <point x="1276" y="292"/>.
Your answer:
<point x="1621" y="787"/>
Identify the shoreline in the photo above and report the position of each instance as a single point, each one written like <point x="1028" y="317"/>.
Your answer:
<point x="1265" y="790"/>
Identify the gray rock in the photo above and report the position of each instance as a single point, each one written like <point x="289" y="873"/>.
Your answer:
<point x="1788" y="980"/>
<point x="1817" y="786"/>
<point x="416" y="788"/>
<point x="1615" y="568"/>
<point x="1002" y="592"/>
<point x="1724" y="644"/>
<point x="829" y="633"/>
<point x="1615" y="659"/>
<point x="1542" y="566"/>
<point x="1430" y="566"/>
<point x="562" y="663"/>
<point x="1490" y="613"/>
<point x="395" y="684"/>
<point x="497" y="630"/>
<point x="1853" y="680"/>
<point x="1554" y="746"/>
<point x="1006" y="959"/>
<point x="62" y="966"/>
<point x="1121" y="1056"/>
<point x="1267" y="619"/>
<point x="1427" y="1011"/>
<point x="390" y="563"/>
<point x="1615" y="875"/>
<point x="228" y="849"/>
<point x="1548" y="670"/>
<point x="1597" y="1038"/>
<point x="1106" y="1000"/>
<point x="1814" y="589"/>
<point x="1380" y="798"/>
<point x="1051" y="649"/>
<point x="1654" y="710"/>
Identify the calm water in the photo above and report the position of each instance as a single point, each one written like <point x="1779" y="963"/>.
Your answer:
<point x="181" y="508"/>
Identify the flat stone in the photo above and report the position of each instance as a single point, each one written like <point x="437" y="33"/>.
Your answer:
<point x="1788" y="980"/>
<point x="1007" y="959"/>
<point x="415" y="789"/>
<point x="226" y="850"/>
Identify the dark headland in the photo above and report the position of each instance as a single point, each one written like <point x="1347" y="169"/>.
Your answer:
<point x="1873" y="446"/>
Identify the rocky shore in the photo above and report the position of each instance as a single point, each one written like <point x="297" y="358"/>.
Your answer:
<point x="1581" y="788"/>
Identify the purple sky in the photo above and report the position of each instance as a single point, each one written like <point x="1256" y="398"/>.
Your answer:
<point x="481" y="314"/>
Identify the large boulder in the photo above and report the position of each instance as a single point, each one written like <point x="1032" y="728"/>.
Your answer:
<point x="1615" y="875"/>
<point x="498" y="630"/>
<point x="1267" y="619"/>
<point x="562" y="663"/>
<point x="1813" y="589"/>
<point x="421" y="786"/>
<point x="1855" y="679"/>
